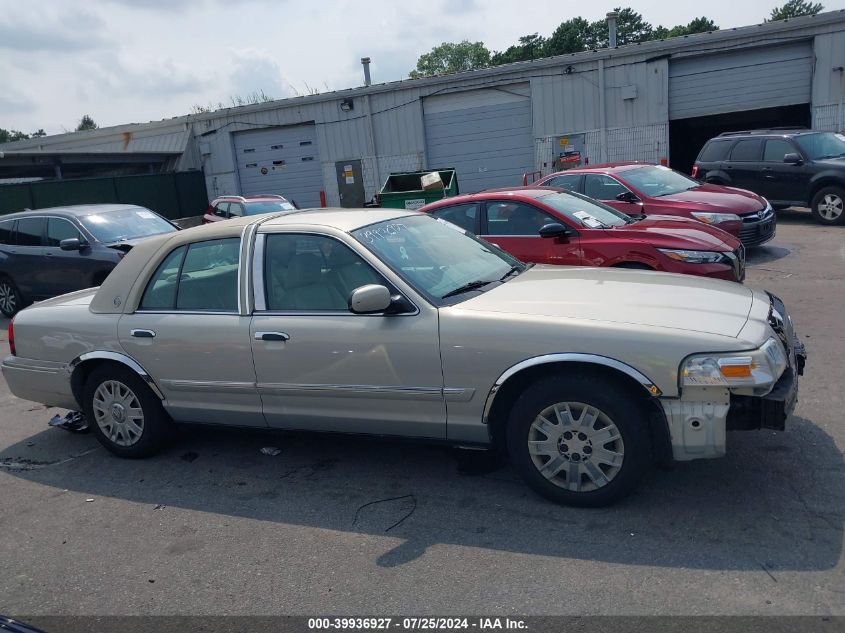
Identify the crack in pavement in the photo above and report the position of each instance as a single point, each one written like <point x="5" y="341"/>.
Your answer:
<point x="22" y="463"/>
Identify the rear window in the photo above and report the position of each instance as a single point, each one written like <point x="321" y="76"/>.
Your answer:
<point x="750" y="149"/>
<point x="714" y="151"/>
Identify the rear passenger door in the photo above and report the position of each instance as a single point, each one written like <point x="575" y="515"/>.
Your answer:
<point x="189" y="334"/>
<point x="31" y="270"/>
<point x="744" y="165"/>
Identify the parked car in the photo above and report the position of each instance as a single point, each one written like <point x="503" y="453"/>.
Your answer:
<point x="802" y="168"/>
<point x="391" y="322"/>
<point x="553" y="226"/>
<point x="226" y="207"/>
<point x="637" y="188"/>
<point x="49" y="252"/>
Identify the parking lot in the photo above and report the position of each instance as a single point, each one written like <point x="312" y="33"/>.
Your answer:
<point x="353" y="526"/>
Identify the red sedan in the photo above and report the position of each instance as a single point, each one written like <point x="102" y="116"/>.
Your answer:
<point x="637" y="188"/>
<point x="554" y="226"/>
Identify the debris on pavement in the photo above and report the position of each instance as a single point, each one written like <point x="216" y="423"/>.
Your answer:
<point x="74" y="422"/>
<point x="89" y="500"/>
<point x="189" y="456"/>
<point x="272" y="451"/>
<point x="160" y="506"/>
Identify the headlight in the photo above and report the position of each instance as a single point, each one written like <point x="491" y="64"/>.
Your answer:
<point x="695" y="257"/>
<point x="715" y="218"/>
<point x="768" y="204"/>
<point x="760" y="367"/>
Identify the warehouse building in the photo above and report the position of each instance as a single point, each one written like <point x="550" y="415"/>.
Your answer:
<point x="651" y="101"/>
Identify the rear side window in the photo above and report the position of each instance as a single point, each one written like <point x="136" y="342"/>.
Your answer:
<point x="161" y="291"/>
<point x="59" y="229"/>
<point x="601" y="187"/>
<point x="776" y="149"/>
<point x="29" y="231"/>
<point x="6" y="229"/>
<point x="747" y="150"/>
<point x="463" y="215"/>
<point x="714" y="151"/>
<point x="567" y="181"/>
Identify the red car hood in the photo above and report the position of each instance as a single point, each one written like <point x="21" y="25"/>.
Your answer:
<point x="669" y="231"/>
<point x="718" y="199"/>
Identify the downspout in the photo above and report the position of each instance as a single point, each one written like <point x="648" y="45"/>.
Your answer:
<point x="602" y="114"/>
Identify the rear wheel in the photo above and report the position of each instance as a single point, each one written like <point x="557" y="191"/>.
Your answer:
<point x="828" y="205"/>
<point x="578" y="444"/>
<point x="10" y="298"/>
<point x="126" y="415"/>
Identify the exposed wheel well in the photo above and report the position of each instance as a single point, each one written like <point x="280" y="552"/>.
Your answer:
<point x="516" y="384"/>
<point x="821" y="184"/>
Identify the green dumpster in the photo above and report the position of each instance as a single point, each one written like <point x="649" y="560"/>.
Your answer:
<point x="405" y="190"/>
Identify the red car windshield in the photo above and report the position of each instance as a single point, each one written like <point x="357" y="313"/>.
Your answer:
<point x="656" y="180"/>
<point x="588" y="213"/>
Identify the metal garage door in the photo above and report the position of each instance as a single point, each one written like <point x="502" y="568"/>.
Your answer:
<point x="484" y="134"/>
<point x="740" y="80"/>
<point x="281" y="160"/>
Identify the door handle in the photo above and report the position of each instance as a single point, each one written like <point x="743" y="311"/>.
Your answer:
<point x="142" y="333"/>
<point x="271" y="336"/>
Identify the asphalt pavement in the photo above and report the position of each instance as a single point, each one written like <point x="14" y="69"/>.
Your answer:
<point x="337" y="525"/>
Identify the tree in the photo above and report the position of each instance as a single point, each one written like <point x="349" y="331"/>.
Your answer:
<point x="698" y="25"/>
<point x="451" y="58"/>
<point x="7" y="136"/>
<point x="572" y="36"/>
<point x="795" y="9"/>
<point x="529" y="47"/>
<point x="39" y="133"/>
<point x="86" y="123"/>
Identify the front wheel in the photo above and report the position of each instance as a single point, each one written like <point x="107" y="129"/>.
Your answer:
<point x="126" y="416"/>
<point x="828" y="205"/>
<point x="577" y="444"/>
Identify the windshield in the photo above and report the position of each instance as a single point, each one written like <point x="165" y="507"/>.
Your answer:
<point x="588" y="213"/>
<point x="268" y="206"/>
<point x="125" y="224"/>
<point x="437" y="257"/>
<point x="656" y="180"/>
<point x="822" y="145"/>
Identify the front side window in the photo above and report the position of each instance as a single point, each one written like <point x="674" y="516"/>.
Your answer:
<point x="29" y="231"/>
<point x="776" y="149"/>
<point x="59" y="229"/>
<point x="222" y="209"/>
<point x="747" y="150"/>
<point x="125" y="224"/>
<point x="462" y="215"/>
<point x="566" y="181"/>
<point x="657" y="180"/>
<point x="437" y="258"/>
<point x="236" y="210"/>
<point x="203" y="278"/>
<point x="602" y="187"/>
<point x="312" y="273"/>
<point x="515" y="218"/>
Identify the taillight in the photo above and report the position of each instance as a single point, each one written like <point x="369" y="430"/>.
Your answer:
<point x="12" y="337"/>
<point x="695" y="171"/>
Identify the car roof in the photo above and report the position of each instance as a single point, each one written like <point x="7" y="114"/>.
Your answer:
<point x="774" y="131"/>
<point x="519" y="193"/>
<point x="610" y="168"/>
<point x="77" y="210"/>
<point x="342" y="219"/>
<point x="267" y="197"/>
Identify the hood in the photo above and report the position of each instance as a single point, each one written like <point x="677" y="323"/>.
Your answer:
<point x="718" y="199"/>
<point x="634" y="297"/>
<point x="671" y="231"/>
<point x="831" y="163"/>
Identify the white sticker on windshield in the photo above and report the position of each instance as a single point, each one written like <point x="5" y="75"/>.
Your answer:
<point x="587" y="219"/>
<point x="147" y="215"/>
<point x="840" y="137"/>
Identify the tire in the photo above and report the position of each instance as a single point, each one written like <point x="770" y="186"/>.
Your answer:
<point x="828" y="205"/>
<point x="118" y="390"/>
<point x="11" y="301"/>
<point x="617" y="418"/>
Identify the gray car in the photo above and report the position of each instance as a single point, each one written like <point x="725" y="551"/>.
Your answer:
<point x="394" y="323"/>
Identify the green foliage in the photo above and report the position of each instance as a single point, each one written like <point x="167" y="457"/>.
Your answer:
<point x="571" y="36"/>
<point x="698" y="25"/>
<point x="7" y="136"/>
<point x="795" y="9"/>
<point x="86" y="123"/>
<point x="529" y="47"/>
<point x="451" y="58"/>
<point x="631" y="28"/>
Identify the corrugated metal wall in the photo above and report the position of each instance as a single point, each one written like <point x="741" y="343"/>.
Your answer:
<point x="762" y="77"/>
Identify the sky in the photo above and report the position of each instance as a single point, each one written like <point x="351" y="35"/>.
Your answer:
<point x="125" y="61"/>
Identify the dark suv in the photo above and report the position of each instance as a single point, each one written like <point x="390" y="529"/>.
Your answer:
<point x="790" y="167"/>
<point x="49" y="252"/>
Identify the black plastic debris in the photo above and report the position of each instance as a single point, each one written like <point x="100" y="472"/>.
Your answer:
<point x="73" y="422"/>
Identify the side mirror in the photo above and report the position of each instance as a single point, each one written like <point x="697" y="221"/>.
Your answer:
<point x="793" y="158"/>
<point x="554" y="229"/>
<point x="369" y="299"/>
<point x="627" y="196"/>
<point x="71" y="244"/>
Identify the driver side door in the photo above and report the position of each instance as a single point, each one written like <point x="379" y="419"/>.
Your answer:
<point x="320" y="366"/>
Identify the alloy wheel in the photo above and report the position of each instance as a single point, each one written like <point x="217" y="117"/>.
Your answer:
<point x="576" y="446"/>
<point x="118" y="413"/>
<point x="831" y="207"/>
<point x="8" y="298"/>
